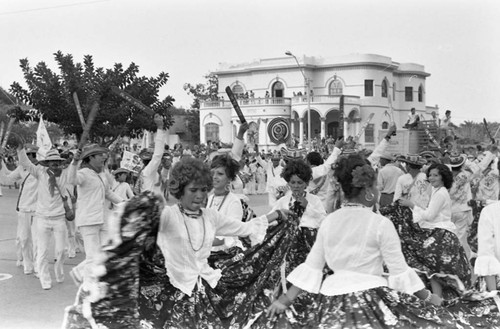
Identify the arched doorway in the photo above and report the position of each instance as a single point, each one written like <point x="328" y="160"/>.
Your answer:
<point x="333" y="126"/>
<point x="278" y="89"/>
<point x="315" y="124"/>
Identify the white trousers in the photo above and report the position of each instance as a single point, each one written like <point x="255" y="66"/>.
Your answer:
<point x="25" y="233"/>
<point x="46" y="228"/>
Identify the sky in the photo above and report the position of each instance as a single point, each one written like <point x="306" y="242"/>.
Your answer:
<point x="458" y="41"/>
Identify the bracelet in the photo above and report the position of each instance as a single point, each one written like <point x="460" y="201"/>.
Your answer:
<point x="429" y="297"/>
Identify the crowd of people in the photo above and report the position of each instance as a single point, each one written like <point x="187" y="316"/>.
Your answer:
<point x="353" y="238"/>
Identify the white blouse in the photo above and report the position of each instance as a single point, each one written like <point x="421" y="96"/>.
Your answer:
<point x="354" y="242"/>
<point x="488" y="241"/>
<point x="314" y="213"/>
<point x="438" y="212"/>
<point x="186" y="243"/>
<point x="230" y="206"/>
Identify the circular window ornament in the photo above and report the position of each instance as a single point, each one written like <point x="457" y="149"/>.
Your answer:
<point x="278" y="130"/>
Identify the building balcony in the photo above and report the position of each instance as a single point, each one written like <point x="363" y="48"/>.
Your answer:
<point x="326" y="99"/>
<point x="247" y="102"/>
<point x="280" y="101"/>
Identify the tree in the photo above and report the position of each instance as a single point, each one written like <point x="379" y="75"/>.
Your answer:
<point x="203" y="91"/>
<point x="51" y="94"/>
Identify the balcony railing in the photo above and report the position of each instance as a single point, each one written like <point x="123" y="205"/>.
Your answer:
<point x="248" y="101"/>
<point x="315" y="99"/>
<point x="325" y="99"/>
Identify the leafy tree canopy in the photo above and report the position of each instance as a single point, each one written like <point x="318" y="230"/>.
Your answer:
<point x="203" y="91"/>
<point x="51" y="94"/>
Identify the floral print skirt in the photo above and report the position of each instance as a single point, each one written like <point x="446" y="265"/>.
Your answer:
<point x="379" y="307"/>
<point x="433" y="253"/>
<point x="242" y="294"/>
<point x="477" y="206"/>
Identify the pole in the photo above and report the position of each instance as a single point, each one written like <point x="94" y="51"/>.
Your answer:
<point x="309" y="143"/>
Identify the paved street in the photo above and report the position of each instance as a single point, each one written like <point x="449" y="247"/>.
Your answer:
<point x="23" y="302"/>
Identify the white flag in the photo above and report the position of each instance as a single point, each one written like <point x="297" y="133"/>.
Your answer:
<point x="42" y="140"/>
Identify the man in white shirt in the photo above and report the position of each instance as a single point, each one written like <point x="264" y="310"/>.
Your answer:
<point x="274" y="180"/>
<point x="49" y="212"/>
<point x="25" y="206"/>
<point x="413" y="185"/>
<point x="93" y="189"/>
<point x="386" y="180"/>
<point x="149" y="176"/>
<point x="413" y="119"/>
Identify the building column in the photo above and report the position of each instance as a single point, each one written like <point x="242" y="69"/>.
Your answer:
<point x="292" y="128"/>
<point x="323" y="127"/>
<point x="301" y="132"/>
<point x="266" y="139"/>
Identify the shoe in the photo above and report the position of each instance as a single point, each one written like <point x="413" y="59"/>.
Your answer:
<point x="35" y="275"/>
<point x="29" y="272"/>
<point x="72" y="255"/>
<point x="46" y="287"/>
<point x="19" y="263"/>
<point x="60" y="280"/>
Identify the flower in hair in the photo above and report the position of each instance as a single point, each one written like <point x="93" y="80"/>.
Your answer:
<point x="173" y="185"/>
<point x="363" y="176"/>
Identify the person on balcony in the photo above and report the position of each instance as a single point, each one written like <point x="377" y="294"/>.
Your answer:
<point x="413" y="120"/>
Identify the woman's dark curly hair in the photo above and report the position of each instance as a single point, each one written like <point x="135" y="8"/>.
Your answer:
<point x="188" y="170"/>
<point x="231" y="166"/>
<point x="444" y="172"/>
<point x="344" y="170"/>
<point x="299" y="168"/>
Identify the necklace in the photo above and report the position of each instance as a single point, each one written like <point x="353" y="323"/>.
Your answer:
<point x="353" y="204"/>
<point x="195" y="216"/>
<point x="220" y="205"/>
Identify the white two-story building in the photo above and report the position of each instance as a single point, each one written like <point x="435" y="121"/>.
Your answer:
<point x="275" y="99"/>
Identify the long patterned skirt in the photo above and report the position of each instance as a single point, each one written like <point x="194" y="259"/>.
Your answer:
<point x="433" y="253"/>
<point x="379" y="307"/>
<point x="243" y="293"/>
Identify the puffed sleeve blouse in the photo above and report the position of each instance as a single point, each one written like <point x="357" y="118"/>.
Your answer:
<point x="354" y="242"/>
<point x="488" y="243"/>
<point x="186" y="243"/>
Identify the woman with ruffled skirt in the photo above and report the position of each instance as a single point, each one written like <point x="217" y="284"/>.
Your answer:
<point x="355" y="243"/>
<point x="180" y="289"/>
<point x="434" y="250"/>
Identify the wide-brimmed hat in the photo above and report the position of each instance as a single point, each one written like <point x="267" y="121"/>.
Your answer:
<point x="30" y="148"/>
<point x="93" y="149"/>
<point x="413" y="159"/>
<point x="52" y="155"/>
<point x="293" y="153"/>
<point x="120" y="171"/>
<point x="387" y="156"/>
<point x="457" y="160"/>
<point x="427" y="154"/>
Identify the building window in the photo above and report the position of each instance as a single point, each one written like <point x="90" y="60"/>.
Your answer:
<point x="369" y="134"/>
<point x="368" y="87"/>
<point x="394" y="91"/>
<point x="278" y="89"/>
<point x="212" y="132"/>
<point x="385" y="125"/>
<point x="408" y="94"/>
<point x="238" y="90"/>
<point x="384" y="88"/>
<point x="420" y="94"/>
<point x="335" y="88"/>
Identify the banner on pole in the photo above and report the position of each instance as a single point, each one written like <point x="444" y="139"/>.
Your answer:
<point x="131" y="161"/>
<point x="42" y="140"/>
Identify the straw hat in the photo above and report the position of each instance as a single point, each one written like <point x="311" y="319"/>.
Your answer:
<point x="93" y="149"/>
<point x="413" y="159"/>
<point x="52" y="155"/>
<point x="120" y="171"/>
<point x="457" y="160"/>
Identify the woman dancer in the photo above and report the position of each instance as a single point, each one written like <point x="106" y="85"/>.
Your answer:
<point x="439" y="255"/>
<point x="191" y="293"/>
<point x="224" y="170"/>
<point x="355" y="243"/>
